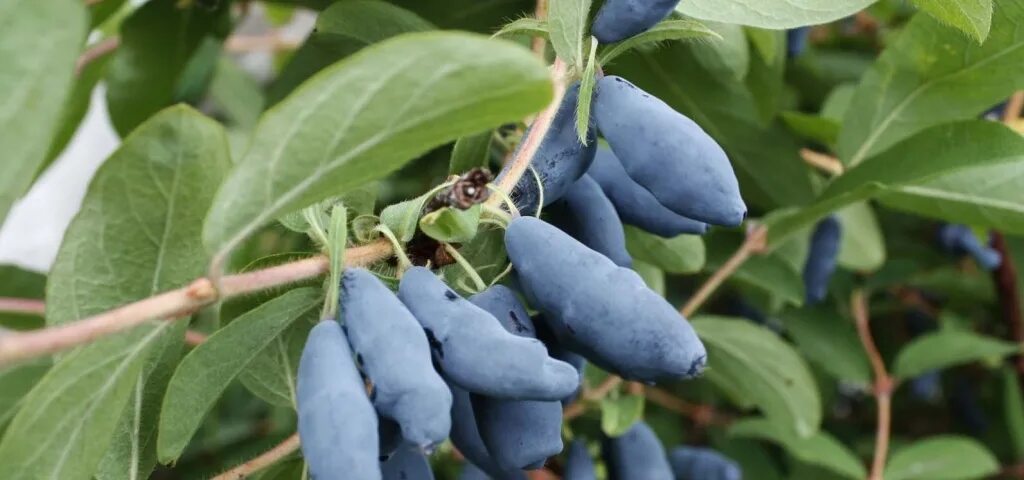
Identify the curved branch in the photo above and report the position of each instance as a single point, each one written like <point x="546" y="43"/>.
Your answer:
<point x="883" y="382"/>
<point x="272" y="456"/>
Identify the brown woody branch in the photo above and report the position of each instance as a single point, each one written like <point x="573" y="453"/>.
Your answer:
<point x="883" y="383"/>
<point x="26" y="306"/>
<point x="287" y="447"/>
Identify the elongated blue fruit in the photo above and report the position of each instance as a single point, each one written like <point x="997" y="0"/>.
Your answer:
<point x="560" y="160"/>
<point x="635" y="204"/>
<point x="668" y="154"/>
<point x="558" y="351"/>
<point x="587" y="214"/>
<point x="600" y="310"/>
<point x="636" y="454"/>
<point x="692" y="463"/>
<point x="519" y="434"/>
<point x="466" y="437"/>
<point x="475" y="352"/>
<point x="578" y="464"/>
<point x="471" y="472"/>
<point x="393" y="352"/>
<point x="618" y="20"/>
<point x="960" y="240"/>
<point x="407" y="463"/>
<point x="337" y="423"/>
<point x="821" y="258"/>
<point x="796" y="41"/>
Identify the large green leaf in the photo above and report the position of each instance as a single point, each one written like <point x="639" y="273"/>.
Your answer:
<point x="567" y="22"/>
<point x="829" y="342"/>
<point x="776" y="14"/>
<point x="35" y="78"/>
<point x="948" y="347"/>
<point x="772" y="273"/>
<point x="941" y="164"/>
<point x="973" y="17"/>
<point x="385" y="105"/>
<point x="271" y="374"/>
<point x="945" y="457"/>
<point x="207" y="370"/>
<point x="16" y="382"/>
<point x="681" y="254"/>
<point x="914" y="85"/>
<point x="765" y="369"/>
<point x="158" y="42"/>
<point x="138" y="233"/>
<point x="820" y="449"/>
<point x="862" y="247"/>
<point x="766" y="159"/>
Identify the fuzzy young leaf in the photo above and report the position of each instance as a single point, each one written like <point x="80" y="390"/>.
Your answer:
<point x="820" y="449"/>
<point x="402" y="218"/>
<point x="471" y="151"/>
<point x="525" y="26"/>
<point x="668" y="30"/>
<point x="783" y="387"/>
<point x="946" y="348"/>
<point x="16" y="382"/>
<point x="451" y="225"/>
<point x="902" y="95"/>
<point x="775" y="14"/>
<point x="389" y="103"/>
<point x="973" y="17"/>
<point x="567" y="24"/>
<point x="946" y="457"/>
<point x="682" y="254"/>
<point x="586" y="95"/>
<point x="35" y="78"/>
<point x="207" y="370"/>
<point x="619" y="414"/>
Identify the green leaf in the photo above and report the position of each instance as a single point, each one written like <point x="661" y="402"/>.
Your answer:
<point x="620" y="413"/>
<point x="730" y="56"/>
<point x="35" y="79"/>
<point x="567" y="22"/>
<point x="681" y="254"/>
<point x="665" y="31"/>
<point x="653" y="276"/>
<point x="586" y="94"/>
<point x="18" y="283"/>
<point x="271" y="374"/>
<point x="402" y="218"/>
<point x="812" y="127"/>
<point x="148" y="69"/>
<point x="820" y="449"/>
<point x="766" y="42"/>
<point x="771" y="273"/>
<point x="451" y="225"/>
<point x="766" y="159"/>
<point x="1013" y="411"/>
<point x="137" y="234"/>
<point x="930" y="165"/>
<point x="945" y="348"/>
<point x="902" y="94"/>
<point x="945" y="457"/>
<point x="487" y="255"/>
<point x="764" y="369"/>
<point x="388" y="104"/>
<point x="16" y="382"/>
<point x="862" y="247"/>
<point x="973" y="17"/>
<point x="471" y="151"/>
<point x="341" y="30"/>
<point x="525" y="26"/>
<point x="829" y="342"/>
<point x="207" y="370"/>
<point x="774" y="14"/>
<point x="236" y="93"/>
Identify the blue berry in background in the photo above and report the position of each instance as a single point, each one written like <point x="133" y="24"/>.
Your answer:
<point x="927" y="386"/>
<point x="604" y="312"/>
<point x="337" y="423"/>
<point x="995" y="113"/>
<point x="636" y="454"/>
<point x="471" y="472"/>
<point x="618" y="20"/>
<point x="466" y="438"/>
<point x="519" y="434"/>
<point x="587" y="215"/>
<point x="668" y="154"/>
<point x="822" y="258"/>
<point x="966" y="408"/>
<point x="693" y="463"/>
<point x="960" y="240"/>
<point x="560" y="160"/>
<point x="393" y="352"/>
<point x="407" y="463"/>
<point x="475" y="352"/>
<point x="635" y="204"/>
<point x="796" y="41"/>
<point x="578" y="464"/>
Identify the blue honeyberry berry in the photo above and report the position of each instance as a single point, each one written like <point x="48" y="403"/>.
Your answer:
<point x="602" y="311"/>
<point x="960" y="240"/>
<point x="337" y="423"/>
<point x="407" y="463"/>
<point x="475" y="352"/>
<point x="636" y="454"/>
<point x="668" y="154"/>
<point x="822" y="258"/>
<point x="618" y="20"/>
<point x="587" y="215"/>
<point x="578" y="464"/>
<point x="635" y="204"/>
<point x="466" y="437"/>
<point x="796" y="41"/>
<point x="695" y="463"/>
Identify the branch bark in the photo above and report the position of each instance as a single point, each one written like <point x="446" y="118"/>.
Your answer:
<point x="883" y="383"/>
<point x="272" y="456"/>
<point x="1005" y="278"/>
<point x="755" y="242"/>
<point x="27" y="306"/>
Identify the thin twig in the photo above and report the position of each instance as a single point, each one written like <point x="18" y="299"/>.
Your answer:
<point x="755" y="242"/>
<point x="1005" y="278"/>
<point x="821" y="161"/>
<point x="1014" y="107"/>
<point x="96" y="51"/>
<point x="287" y="447"/>
<point x="883" y="382"/>
<point x="174" y="304"/>
<point x="514" y="170"/>
<point x="194" y="338"/>
<point x="22" y="305"/>
<point x="539" y="43"/>
<point x="700" y="414"/>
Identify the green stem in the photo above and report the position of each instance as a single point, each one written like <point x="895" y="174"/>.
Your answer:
<point x="467" y="267"/>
